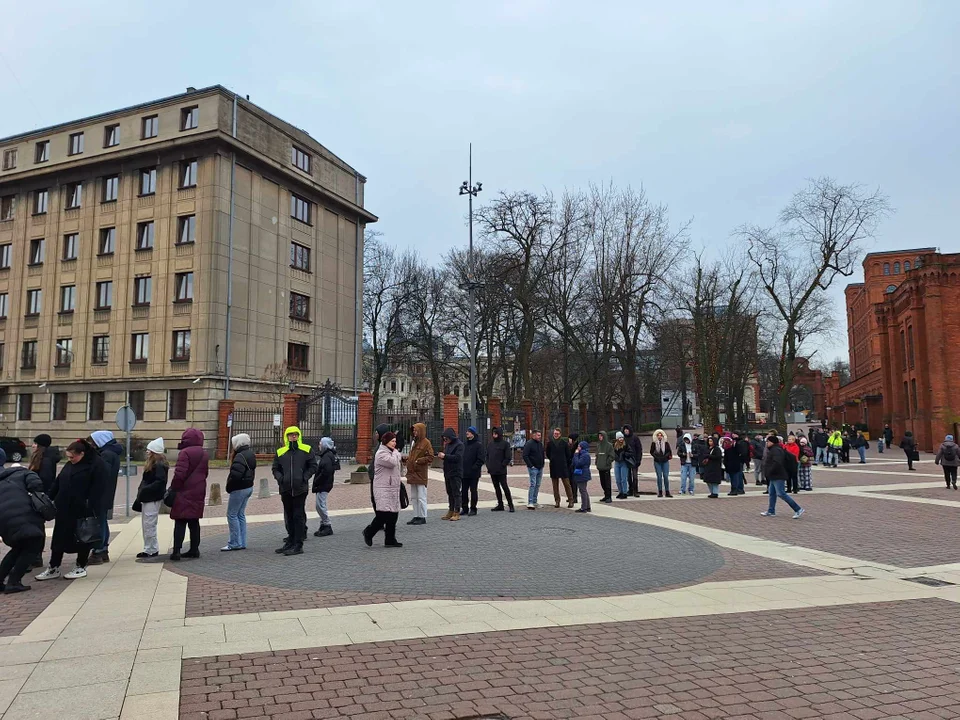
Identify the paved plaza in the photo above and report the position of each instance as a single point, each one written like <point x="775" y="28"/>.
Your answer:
<point x="681" y="608"/>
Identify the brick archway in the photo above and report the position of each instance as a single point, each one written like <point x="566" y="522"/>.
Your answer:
<point x="812" y="380"/>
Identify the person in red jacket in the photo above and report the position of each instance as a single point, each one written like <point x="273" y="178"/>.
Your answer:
<point x="791" y="446"/>
<point x="190" y="485"/>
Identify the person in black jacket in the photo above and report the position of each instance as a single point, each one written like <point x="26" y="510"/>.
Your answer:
<point x="150" y="494"/>
<point x="21" y="527"/>
<point x="909" y="447"/>
<point x="733" y="464"/>
<point x="573" y="441"/>
<point x="534" y="457"/>
<point x="44" y="460"/>
<point x="711" y="467"/>
<point x="293" y="469"/>
<point x="327" y="465"/>
<point x="498" y="460"/>
<point x="473" y="460"/>
<point x="78" y="493"/>
<point x="111" y="451"/>
<point x="559" y="456"/>
<point x="452" y="457"/>
<point x="778" y="464"/>
<point x="887" y="436"/>
<point x="636" y="447"/>
<point x="239" y="489"/>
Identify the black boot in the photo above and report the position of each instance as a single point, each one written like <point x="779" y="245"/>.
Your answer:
<point x="192" y="553"/>
<point x="325" y="531"/>
<point x="368" y="536"/>
<point x="498" y="508"/>
<point x="511" y="508"/>
<point x="296" y="549"/>
<point x="287" y="544"/>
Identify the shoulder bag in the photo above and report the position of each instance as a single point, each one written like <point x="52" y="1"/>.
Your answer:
<point x="404" y="498"/>
<point x="43" y="505"/>
<point x="87" y="530"/>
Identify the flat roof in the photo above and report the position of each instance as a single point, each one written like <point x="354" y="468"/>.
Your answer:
<point x="900" y="252"/>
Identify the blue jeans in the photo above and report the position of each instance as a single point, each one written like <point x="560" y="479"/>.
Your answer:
<point x="821" y="455"/>
<point x="688" y="474"/>
<point x="736" y="482"/>
<point x="536" y="477"/>
<point x="663" y="476"/>
<point x="105" y="534"/>
<point x="622" y="473"/>
<point x="236" y="517"/>
<point x="778" y="488"/>
<point x="863" y="453"/>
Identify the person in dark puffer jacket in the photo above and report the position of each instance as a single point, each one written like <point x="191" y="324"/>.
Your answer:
<point x="111" y="451"/>
<point x="498" y="459"/>
<point x="153" y="486"/>
<point x="327" y="465"/>
<point x="293" y="469"/>
<point x="473" y="460"/>
<point x="190" y="484"/>
<point x="239" y="489"/>
<point x="21" y="526"/>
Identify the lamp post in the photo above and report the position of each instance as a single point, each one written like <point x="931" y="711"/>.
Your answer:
<point x="471" y="190"/>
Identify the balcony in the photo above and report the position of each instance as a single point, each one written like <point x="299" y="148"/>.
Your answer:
<point x="61" y="371"/>
<point x="183" y="249"/>
<point x="140" y="312"/>
<point x="98" y="370"/>
<point x="71" y="214"/>
<point x="300" y="325"/>
<point x="182" y="308"/>
<point x="138" y="367"/>
<point x="64" y="319"/>
<point x="35" y="270"/>
<point x="146" y="201"/>
<point x="188" y="193"/>
<point x="31" y="321"/>
<point x="38" y="220"/>
<point x="102" y="315"/>
<point x="105" y="260"/>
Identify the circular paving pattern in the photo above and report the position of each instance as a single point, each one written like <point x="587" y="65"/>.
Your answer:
<point x="545" y="553"/>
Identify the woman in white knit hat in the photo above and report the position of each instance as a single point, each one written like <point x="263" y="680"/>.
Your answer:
<point x="153" y="486"/>
<point x="239" y="490"/>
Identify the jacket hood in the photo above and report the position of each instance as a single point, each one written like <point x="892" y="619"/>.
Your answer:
<point x="381" y="429"/>
<point x="286" y="444"/>
<point x="421" y="429"/>
<point x="191" y="438"/>
<point x="627" y="430"/>
<point x="687" y="437"/>
<point x="102" y="437"/>
<point x="450" y="434"/>
<point x="584" y="445"/>
<point x="497" y="432"/>
<point x="660" y="430"/>
<point x="326" y="443"/>
<point x="240" y="441"/>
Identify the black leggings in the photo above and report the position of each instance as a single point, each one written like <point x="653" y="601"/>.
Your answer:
<point x="950" y="475"/>
<point x="501" y="488"/>
<point x="180" y="529"/>
<point x="18" y="560"/>
<point x="386" y="521"/>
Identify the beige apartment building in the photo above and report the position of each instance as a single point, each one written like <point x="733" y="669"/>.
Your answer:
<point x="121" y="238"/>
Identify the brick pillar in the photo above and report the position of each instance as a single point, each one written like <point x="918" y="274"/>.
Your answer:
<point x="364" y="427"/>
<point x="289" y="414"/>
<point x="565" y="412"/>
<point x="583" y="419"/>
<point x="527" y="407"/>
<point x="223" y="431"/>
<point x="451" y="412"/>
<point x="495" y="413"/>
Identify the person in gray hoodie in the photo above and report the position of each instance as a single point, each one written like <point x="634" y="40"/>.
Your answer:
<point x="110" y="451"/>
<point x="948" y="457"/>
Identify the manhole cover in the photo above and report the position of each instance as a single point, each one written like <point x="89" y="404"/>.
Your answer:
<point x="557" y="531"/>
<point x="932" y="582"/>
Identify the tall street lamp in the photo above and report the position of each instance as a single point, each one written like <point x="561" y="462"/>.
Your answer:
<point x="471" y="190"/>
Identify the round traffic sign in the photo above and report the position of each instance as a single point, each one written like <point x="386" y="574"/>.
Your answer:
<point x="126" y="418"/>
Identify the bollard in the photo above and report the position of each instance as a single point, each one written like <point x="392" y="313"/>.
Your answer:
<point x="215" y="498"/>
<point x="164" y="510"/>
<point x="264" y="488"/>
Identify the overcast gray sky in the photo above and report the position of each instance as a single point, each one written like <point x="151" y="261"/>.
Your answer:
<point x="719" y="109"/>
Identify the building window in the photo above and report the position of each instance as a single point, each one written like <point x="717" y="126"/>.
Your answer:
<point x="108" y="238"/>
<point x="393" y="386"/>
<point x="148" y="181"/>
<point x="886" y="268"/>
<point x="7" y="207"/>
<point x="903" y="349"/>
<point x="906" y="266"/>
<point x="177" y="405"/>
<point x="189" y="118"/>
<point x="910" y="359"/>
<point x="298" y="357"/>
<point x="10" y="159"/>
<point x="104" y="299"/>
<point x="890" y="289"/>
<point x="6" y="254"/>
<point x="186" y="229"/>
<point x="111" y="136"/>
<point x="300" y="208"/>
<point x="916" y="263"/>
<point x="36" y="252"/>
<point x="181" y="345"/>
<point x="24" y="406"/>
<point x="136" y="398"/>
<point x="101" y="350"/>
<point x="142" y="291"/>
<point x="71" y="245"/>
<point x="73" y="195"/>
<point x="413" y="404"/>
<point x="389" y="403"/>
<point x="4" y="305"/>
<point x="95" y="403"/>
<point x="145" y="235"/>
<point x="916" y="400"/>
<point x="300" y="257"/>
<point x="3" y="354"/>
<point x="34" y="302"/>
<point x="139" y="347"/>
<point x="111" y="188"/>
<point x="43" y="151"/>
<point x="149" y="127"/>
<point x="188" y="173"/>
<point x="40" y="199"/>
<point x="300" y="159"/>
<point x="28" y="355"/>
<point x="183" y="287"/>
<point x="299" y="306"/>
<point x="76" y="144"/>
<point x="896" y="268"/>
<point x="68" y="299"/>
<point x="64" y="352"/>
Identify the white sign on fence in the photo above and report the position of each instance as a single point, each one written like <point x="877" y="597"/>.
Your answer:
<point x="276" y="421"/>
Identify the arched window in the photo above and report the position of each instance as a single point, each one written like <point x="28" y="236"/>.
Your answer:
<point x="906" y="266"/>
<point x="896" y="268"/>
<point x="456" y="389"/>
<point x="413" y="404"/>
<point x="917" y="263"/>
<point x="886" y="268"/>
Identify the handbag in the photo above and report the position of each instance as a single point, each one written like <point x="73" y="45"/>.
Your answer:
<point x="915" y="455"/>
<point x="404" y="498"/>
<point x="170" y="498"/>
<point x="43" y="505"/>
<point x="578" y="471"/>
<point x="87" y="530"/>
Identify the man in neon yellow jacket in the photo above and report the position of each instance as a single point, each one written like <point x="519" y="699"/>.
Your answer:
<point x="834" y="444"/>
<point x="293" y="469"/>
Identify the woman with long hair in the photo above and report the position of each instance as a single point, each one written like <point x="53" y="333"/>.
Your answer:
<point x="153" y="486"/>
<point x="712" y="466"/>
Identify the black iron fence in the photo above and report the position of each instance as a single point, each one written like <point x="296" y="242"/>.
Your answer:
<point x="402" y="421"/>
<point x="261" y="424"/>
<point x="328" y="413"/>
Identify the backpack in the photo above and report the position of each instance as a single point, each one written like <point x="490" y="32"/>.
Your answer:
<point x="336" y="460"/>
<point x="950" y="453"/>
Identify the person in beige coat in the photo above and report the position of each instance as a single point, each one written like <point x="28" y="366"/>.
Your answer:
<point x="386" y="492"/>
<point x="418" y="465"/>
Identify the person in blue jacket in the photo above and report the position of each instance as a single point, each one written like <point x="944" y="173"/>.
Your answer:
<point x="581" y="474"/>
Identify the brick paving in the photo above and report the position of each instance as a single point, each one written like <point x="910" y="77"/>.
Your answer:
<point x="885" y="660"/>
<point x="937" y="493"/>
<point x="19" y="610"/>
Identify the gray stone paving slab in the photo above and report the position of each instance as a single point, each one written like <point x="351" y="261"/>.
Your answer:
<point x="524" y="554"/>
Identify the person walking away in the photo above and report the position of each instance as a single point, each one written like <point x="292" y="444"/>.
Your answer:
<point x="712" y="467"/>
<point x="732" y="463"/>
<point x="909" y="446"/>
<point x="573" y="441"/>
<point x="386" y="489"/>
<point x="820" y="444"/>
<point x="636" y="449"/>
<point x="293" y="469"/>
<point x="327" y="465"/>
<point x="581" y="474"/>
<point x="150" y="493"/>
<point x="688" y="471"/>
<point x="887" y="436"/>
<point x="776" y="469"/>
<point x="661" y="454"/>
<point x="805" y="466"/>
<point x="604" y="464"/>
<point x="623" y="460"/>
<point x="860" y="444"/>
<point x="743" y="449"/>
<point x="533" y="457"/>
<point x="700" y="452"/>
<point x="452" y="457"/>
<point x="21" y="526"/>
<point x="473" y="460"/>
<point x="498" y="460"/>
<point x="111" y="451"/>
<point x="43" y="461"/>
<point x="791" y="446"/>
<point x="240" y="478"/>
<point x="419" y="461"/>
<point x="834" y="445"/>
<point x="559" y="468"/>
<point x="189" y="486"/>
<point x="78" y="495"/>
<point x="757" y="448"/>
<point x="948" y="457"/>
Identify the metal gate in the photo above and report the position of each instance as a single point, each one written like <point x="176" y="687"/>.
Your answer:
<point x="257" y="422"/>
<point x="329" y="413"/>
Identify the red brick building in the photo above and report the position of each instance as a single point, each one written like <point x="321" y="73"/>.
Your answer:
<point x="903" y="327"/>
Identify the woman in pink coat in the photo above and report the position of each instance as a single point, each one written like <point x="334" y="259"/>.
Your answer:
<point x="386" y="492"/>
<point x="190" y="485"/>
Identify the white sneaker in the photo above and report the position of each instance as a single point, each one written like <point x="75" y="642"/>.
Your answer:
<point x="798" y="513"/>
<point x="49" y="574"/>
<point x="767" y="513"/>
<point x="76" y="573"/>
<point x="531" y="507"/>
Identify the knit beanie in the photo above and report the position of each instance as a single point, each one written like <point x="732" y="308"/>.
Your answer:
<point x="43" y="440"/>
<point x="156" y="446"/>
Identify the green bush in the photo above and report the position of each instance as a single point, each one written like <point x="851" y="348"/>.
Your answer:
<point x="138" y="447"/>
<point x="650" y="427"/>
<point x="362" y="468"/>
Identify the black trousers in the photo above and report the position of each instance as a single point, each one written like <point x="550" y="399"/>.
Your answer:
<point x="453" y="493"/>
<point x="469" y="486"/>
<point x="179" y="530"/>
<point x="21" y="556"/>
<point x="56" y="557"/>
<point x="793" y="483"/>
<point x="909" y="455"/>
<point x="295" y="517"/>
<point x="634" y="482"/>
<point x="950" y="475"/>
<point x="501" y="488"/>
<point x="605" y="483"/>
<point x="386" y="521"/>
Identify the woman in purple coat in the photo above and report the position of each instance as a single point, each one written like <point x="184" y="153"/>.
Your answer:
<point x="190" y="485"/>
<point x="386" y="492"/>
